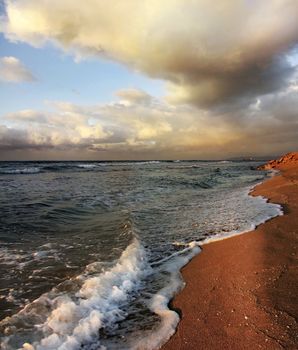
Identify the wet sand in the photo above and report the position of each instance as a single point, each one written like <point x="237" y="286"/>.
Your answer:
<point x="242" y="292"/>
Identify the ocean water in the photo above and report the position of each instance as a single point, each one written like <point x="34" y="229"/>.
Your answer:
<point x="90" y="252"/>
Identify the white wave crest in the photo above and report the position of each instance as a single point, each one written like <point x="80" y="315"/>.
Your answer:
<point x="32" y="170"/>
<point x="74" y="323"/>
<point x="86" y="166"/>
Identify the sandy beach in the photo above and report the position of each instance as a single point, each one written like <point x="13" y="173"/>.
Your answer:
<point x="241" y="293"/>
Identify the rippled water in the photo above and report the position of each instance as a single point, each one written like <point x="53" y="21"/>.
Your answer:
<point x="90" y="252"/>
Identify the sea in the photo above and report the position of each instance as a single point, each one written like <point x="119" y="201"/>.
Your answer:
<point x="91" y="252"/>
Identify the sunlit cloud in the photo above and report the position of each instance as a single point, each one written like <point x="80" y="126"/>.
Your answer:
<point x="12" y="70"/>
<point x="155" y="129"/>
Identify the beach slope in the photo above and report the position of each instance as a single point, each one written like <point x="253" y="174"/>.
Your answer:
<point x="241" y="293"/>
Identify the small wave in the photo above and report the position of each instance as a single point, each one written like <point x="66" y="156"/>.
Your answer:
<point x="56" y="167"/>
<point x="86" y="166"/>
<point x="144" y="162"/>
<point x="182" y="167"/>
<point x="59" y="167"/>
<point x="33" y="170"/>
<point x="188" y="183"/>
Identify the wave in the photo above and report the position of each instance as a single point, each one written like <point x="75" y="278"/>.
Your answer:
<point x="182" y="167"/>
<point x="70" y="166"/>
<point x="37" y="167"/>
<point x="73" y="321"/>
<point x="50" y="167"/>
<point x="149" y="162"/>
<point x="205" y="183"/>
<point x="20" y="168"/>
<point x="32" y="170"/>
<point x="87" y="166"/>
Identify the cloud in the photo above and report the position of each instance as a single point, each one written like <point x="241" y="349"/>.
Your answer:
<point x="43" y="130"/>
<point x="210" y="55"/>
<point x="117" y="128"/>
<point x="155" y="129"/>
<point x="133" y="96"/>
<point x="12" y="70"/>
<point x="230" y="70"/>
<point x="12" y="138"/>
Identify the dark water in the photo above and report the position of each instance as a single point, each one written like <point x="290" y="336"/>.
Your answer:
<point x="98" y="246"/>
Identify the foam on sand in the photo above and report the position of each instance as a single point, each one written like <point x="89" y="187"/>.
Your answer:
<point x="159" y="303"/>
<point x="267" y="211"/>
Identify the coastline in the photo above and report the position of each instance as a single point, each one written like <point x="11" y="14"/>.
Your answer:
<point x="240" y="292"/>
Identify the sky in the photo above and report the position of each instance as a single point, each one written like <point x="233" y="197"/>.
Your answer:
<point x="150" y="79"/>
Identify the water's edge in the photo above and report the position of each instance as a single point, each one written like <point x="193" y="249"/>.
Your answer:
<point x="206" y="241"/>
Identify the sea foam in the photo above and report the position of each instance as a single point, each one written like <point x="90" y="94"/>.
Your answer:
<point x="159" y="304"/>
<point x="267" y="211"/>
<point x="74" y="322"/>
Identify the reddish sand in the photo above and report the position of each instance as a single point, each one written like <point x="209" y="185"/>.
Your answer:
<point x="241" y="293"/>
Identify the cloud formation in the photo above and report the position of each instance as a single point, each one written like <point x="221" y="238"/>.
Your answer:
<point x="209" y="54"/>
<point x="12" y="70"/>
<point x="59" y="129"/>
<point x="153" y="130"/>
<point x="229" y="68"/>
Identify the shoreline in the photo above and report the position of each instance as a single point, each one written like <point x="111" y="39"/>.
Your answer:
<point x="232" y="290"/>
<point x="250" y="193"/>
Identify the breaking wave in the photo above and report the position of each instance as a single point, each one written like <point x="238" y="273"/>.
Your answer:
<point x="73" y="320"/>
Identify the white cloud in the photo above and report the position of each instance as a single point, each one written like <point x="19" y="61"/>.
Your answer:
<point x="12" y="70"/>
